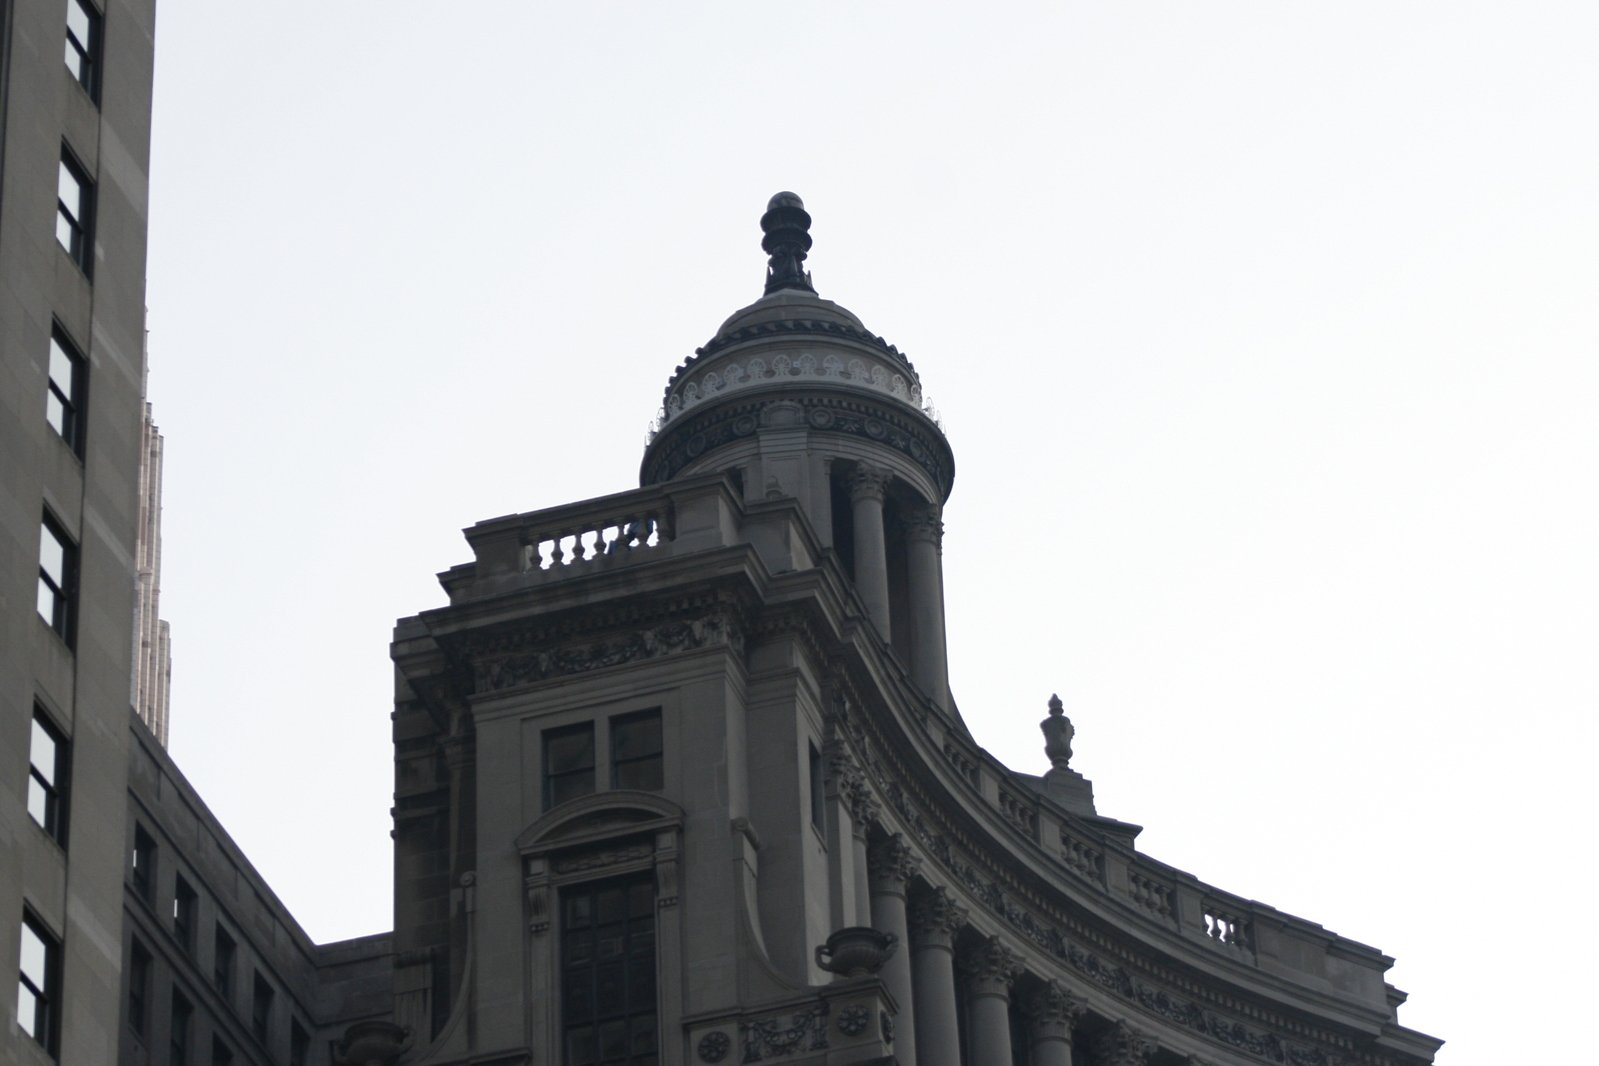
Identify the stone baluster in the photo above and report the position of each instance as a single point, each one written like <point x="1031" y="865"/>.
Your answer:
<point x="867" y="487"/>
<point x="990" y="969"/>
<point x="935" y="917"/>
<point x="892" y="865"/>
<point x="1122" y="1045"/>
<point x="929" y="655"/>
<point x="1052" y="1010"/>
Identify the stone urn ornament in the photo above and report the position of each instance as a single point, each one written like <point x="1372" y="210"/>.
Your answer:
<point x="372" y="1044"/>
<point x="856" y="951"/>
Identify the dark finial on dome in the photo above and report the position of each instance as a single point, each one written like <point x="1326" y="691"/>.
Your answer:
<point x="788" y="237"/>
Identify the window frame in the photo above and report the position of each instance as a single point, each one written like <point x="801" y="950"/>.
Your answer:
<point x="62" y="588"/>
<point x="56" y="787"/>
<point x="185" y="914"/>
<point x="79" y="220"/>
<point x="142" y="863"/>
<point x="87" y="71"/>
<point x="261" y="996"/>
<point x="45" y="1026"/>
<point x="627" y="883"/>
<point x="181" y="1030"/>
<point x="551" y="776"/>
<point x="69" y="399"/>
<point x="224" y="963"/>
<point x="658" y="756"/>
<point x="140" y="962"/>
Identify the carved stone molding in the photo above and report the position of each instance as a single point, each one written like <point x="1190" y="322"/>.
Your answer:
<point x="990" y="967"/>
<point x="669" y="638"/>
<point x="867" y="482"/>
<point x="1053" y="1009"/>
<point x="594" y="860"/>
<point x="924" y="524"/>
<point x="775" y="1038"/>
<point x="1122" y="1045"/>
<point x="891" y="862"/>
<point x="935" y="917"/>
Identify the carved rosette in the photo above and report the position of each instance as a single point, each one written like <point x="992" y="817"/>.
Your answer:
<point x="867" y="482"/>
<point x="891" y="863"/>
<point x="991" y="967"/>
<point x="1122" y="1045"/>
<point x="850" y="784"/>
<point x="1053" y="1010"/>
<point x="935" y="917"/>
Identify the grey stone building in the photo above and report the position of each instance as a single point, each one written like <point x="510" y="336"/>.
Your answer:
<point x="679" y="778"/>
<point x="75" y="80"/>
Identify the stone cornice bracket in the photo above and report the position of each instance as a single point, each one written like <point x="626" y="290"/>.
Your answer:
<point x="892" y="863"/>
<point x="1053" y="1010"/>
<point x="936" y="916"/>
<point x="867" y="482"/>
<point x="991" y="967"/>
<point x="925" y="524"/>
<point x="1122" y="1045"/>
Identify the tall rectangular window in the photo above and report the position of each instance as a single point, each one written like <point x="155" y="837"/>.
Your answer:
<point x="184" y="905"/>
<point x="178" y="1036"/>
<point x="63" y="401"/>
<point x="58" y="577"/>
<point x="222" y="964"/>
<point x="261" y="1009"/>
<point x="636" y="751"/>
<point x="47" y="777"/>
<point x="568" y="763"/>
<point x="299" y="1044"/>
<point x="74" y="212"/>
<point x="138" y="988"/>
<point x="608" y="973"/>
<point x="39" y="984"/>
<point x="221" y="1054"/>
<point x="143" y="874"/>
<point x="818" y="791"/>
<point x="83" y="45"/>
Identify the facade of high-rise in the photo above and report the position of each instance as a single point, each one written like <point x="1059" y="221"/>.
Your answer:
<point x="75" y="84"/>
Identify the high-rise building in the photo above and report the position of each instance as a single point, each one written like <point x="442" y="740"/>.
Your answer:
<point x="679" y="778"/>
<point x="152" y="650"/>
<point x="75" y="85"/>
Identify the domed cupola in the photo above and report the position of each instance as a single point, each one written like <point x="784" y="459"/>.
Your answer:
<point x="820" y="366"/>
<point x="800" y="401"/>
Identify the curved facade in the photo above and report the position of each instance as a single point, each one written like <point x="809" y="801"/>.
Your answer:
<point x="679" y="778"/>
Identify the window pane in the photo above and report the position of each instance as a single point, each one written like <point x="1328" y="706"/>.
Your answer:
<point x="47" y="604"/>
<point x="78" y="22"/>
<point x="43" y="753"/>
<point x="55" y="413"/>
<point x="570" y="751"/>
<point x="70" y="192"/>
<point x="52" y="556"/>
<point x="61" y="368"/>
<point x="34" y="957"/>
<point x="645" y="775"/>
<point x="28" y="1010"/>
<point x="636" y="736"/>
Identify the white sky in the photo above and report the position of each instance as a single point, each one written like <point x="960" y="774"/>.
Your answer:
<point x="1264" y="334"/>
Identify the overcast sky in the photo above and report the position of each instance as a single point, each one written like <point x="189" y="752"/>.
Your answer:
<point x="1264" y="334"/>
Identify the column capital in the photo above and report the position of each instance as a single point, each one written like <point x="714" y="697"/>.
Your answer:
<point x="924" y="524"/>
<point x="867" y="482"/>
<point x="1122" y="1045"/>
<point x="991" y="967"/>
<point x="936" y="916"/>
<point x="892" y="862"/>
<point x="1052" y="1009"/>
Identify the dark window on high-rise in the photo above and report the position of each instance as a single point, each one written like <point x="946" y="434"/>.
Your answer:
<point x="608" y="973"/>
<point x="39" y="984"/>
<point x="221" y="1054"/>
<point x="178" y="1038"/>
<point x="184" y="905"/>
<point x="138" y="988"/>
<point x="568" y="763"/>
<point x="299" y="1044"/>
<point x="58" y="577"/>
<point x="222" y="965"/>
<point x="636" y="751"/>
<point x="83" y="45"/>
<point x="63" y="401"/>
<point x="143" y="863"/>
<point x="818" y="791"/>
<point x="75" y="212"/>
<point x="47" y="777"/>
<point x="261" y="1009"/>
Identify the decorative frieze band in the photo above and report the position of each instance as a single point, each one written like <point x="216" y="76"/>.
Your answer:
<point x="668" y="638"/>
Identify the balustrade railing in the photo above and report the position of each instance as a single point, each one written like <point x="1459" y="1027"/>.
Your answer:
<point x="1228" y="927"/>
<point x="601" y="538"/>
<point x="1154" y="896"/>
<point x="1019" y="813"/>
<point x="1082" y="859"/>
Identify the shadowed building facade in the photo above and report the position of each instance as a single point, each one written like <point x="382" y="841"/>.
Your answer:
<point x="680" y="779"/>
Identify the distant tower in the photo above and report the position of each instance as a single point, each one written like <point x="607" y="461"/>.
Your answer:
<point x="152" y="654"/>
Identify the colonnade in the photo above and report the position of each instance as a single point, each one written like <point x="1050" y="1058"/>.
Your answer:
<point x="923" y="530"/>
<point x="938" y="954"/>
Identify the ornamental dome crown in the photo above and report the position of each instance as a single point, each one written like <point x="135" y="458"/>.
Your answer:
<point x="792" y="345"/>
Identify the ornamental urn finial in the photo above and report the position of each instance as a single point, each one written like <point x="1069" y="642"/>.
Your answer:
<point x="1058" y="733"/>
<point x="787" y="226"/>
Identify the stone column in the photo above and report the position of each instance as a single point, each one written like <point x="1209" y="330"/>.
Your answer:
<point x="1051" y="1010"/>
<point x="867" y="486"/>
<point x="935" y="917"/>
<point x="929" y="657"/>
<point x="892" y="866"/>
<point x="1122" y="1045"/>
<point x="990" y="969"/>
<point x="863" y="811"/>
